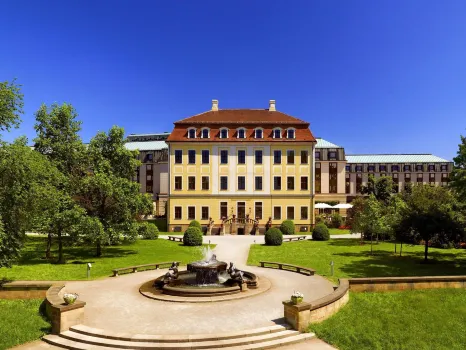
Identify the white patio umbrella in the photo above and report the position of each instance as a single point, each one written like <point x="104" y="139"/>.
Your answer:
<point x="342" y="206"/>
<point x="323" y="206"/>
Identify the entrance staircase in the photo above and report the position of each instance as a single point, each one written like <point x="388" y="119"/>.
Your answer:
<point x="82" y="337"/>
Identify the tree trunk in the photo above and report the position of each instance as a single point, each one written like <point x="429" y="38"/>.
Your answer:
<point x="395" y="247"/>
<point x="371" y="241"/>
<point x="401" y="247"/>
<point x="48" y="253"/>
<point x="426" y="250"/>
<point x="61" y="258"/>
<point x="99" y="249"/>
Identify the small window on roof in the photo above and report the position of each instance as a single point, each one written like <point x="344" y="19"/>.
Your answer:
<point x="277" y="133"/>
<point x="290" y="134"/>
<point x="259" y="133"/>
<point x="241" y="133"/>
<point x="192" y="133"/>
<point x="205" y="133"/>
<point x="223" y="133"/>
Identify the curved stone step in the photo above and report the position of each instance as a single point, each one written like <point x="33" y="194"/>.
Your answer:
<point x="177" y="338"/>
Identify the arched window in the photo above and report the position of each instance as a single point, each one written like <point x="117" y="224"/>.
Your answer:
<point x="277" y="133"/>
<point x="290" y="134"/>
<point x="241" y="133"/>
<point x="224" y="133"/>
<point x="192" y="133"/>
<point x="259" y="133"/>
<point x="205" y="133"/>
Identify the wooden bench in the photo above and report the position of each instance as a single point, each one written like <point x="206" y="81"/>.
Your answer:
<point x="175" y="238"/>
<point x="288" y="267"/>
<point x="297" y="238"/>
<point x="136" y="267"/>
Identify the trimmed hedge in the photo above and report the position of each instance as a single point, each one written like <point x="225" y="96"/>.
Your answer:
<point x="273" y="236"/>
<point x="192" y="236"/>
<point x="320" y="233"/>
<point x="148" y="230"/>
<point x="195" y="223"/>
<point x="287" y="227"/>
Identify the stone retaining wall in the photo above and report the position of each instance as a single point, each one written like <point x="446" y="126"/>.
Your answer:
<point x="299" y="316"/>
<point x="24" y="289"/>
<point x="383" y="284"/>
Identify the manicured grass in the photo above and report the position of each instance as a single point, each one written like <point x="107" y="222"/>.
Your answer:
<point x="422" y="319"/>
<point x="354" y="260"/>
<point x="32" y="266"/>
<point x="337" y="231"/>
<point x="21" y="322"/>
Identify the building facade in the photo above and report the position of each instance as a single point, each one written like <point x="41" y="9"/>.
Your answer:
<point x="241" y="169"/>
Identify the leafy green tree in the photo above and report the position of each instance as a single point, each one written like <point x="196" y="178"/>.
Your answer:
<point x="11" y="105"/>
<point x="458" y="175"/>
<point x="381" y="187"/>
<point x="431" y="212"/>
<point x="107" y="193"/>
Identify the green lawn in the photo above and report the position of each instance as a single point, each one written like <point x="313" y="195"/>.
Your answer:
<point x="354" y="260"/>
<point x="32" y="266"/>
<point x="20" y="322"/>
<point x="337" y="231"/>
<point x="422" y="319"/>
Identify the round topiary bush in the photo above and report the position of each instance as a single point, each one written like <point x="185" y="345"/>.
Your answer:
<point x="273" y="236"/>
<point x="192" y="236"/>
<point x="287" y="227"/>
<point x="195" y="223"/>
<point x="147" y="230"/>
<point x="320" y="233"/>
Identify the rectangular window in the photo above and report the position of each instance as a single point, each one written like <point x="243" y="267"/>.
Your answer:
<point x="317" y="155"/>
<point x="277" y="213"/>
<point x="432" y="179"/>
<point x="395" y="182"/>
<point x="358" y="168"/>
<point x="149" y="167"/>
<point x="241" y="210"/>
<point x="178" y="183"/>
<point x="420" y="178"/>
<point x="277" y="183"/>
<point x="332" y="155"/>
<point x="395" y="168"/>
<point x="318" y="176"/>
<point x="241" y="183"/>
<point x="358" y="183"/>
<point x="258" y="156"/>
<point x="191" y="156"/>
<point x="277" y="157"/>
<point x="223" y="156"/>
<point x="419" y="167"/>
<point x="348" y="168"/>
<point x="290" y="182"/>
<point x="406" y="167"/>
<point x="258" y="210"/>
<point x="290" y="213"/>
<point x="149" y="177"/>
<point x="149" y="157"/>
<point x="371" y="168"/>
<point x="258" y="181"/>
<point x="408" y="177"/>
<point x="304" y="183"/>
<point x="204" y="213"/>
<point x="382" y="168"/>
<point x="223" y="210"/>
<point x="205" y="182"/>
<point x="290" y="157"/>
<point x="205" y="156"/>
<point x="333" y="178"/>
<point x="443" y="167"/>
<point x="149" y="188"/>
<point x="431" y="167"/>
<point x="223" y="183"/>
<point x="191" y="183"/>
<point x="178" y="156"/>
<point x="347" y="184"/>
<point x="241" y="156"/>
<point x="304" y="213"/>
<point x="178" y="213"/>
<point x="191" y="213"/>
<point x="304" y="157"/>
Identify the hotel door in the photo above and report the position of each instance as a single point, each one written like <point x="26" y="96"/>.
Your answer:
<point x="241" y="210"/>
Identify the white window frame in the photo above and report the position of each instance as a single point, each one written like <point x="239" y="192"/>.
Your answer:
<point x="255" y="133"/>
<point x="294" y="133"/>
<point x="237" y="133"/>
<point x="202" y="133"/>
<point x="174" y="212"/>
<point x="195" y="132"/>
<point x="208" y="211"/>
<point x="262" y="204"/>
<point x="294" y="212"/>
<point x="187" y="212"/>
<point x="273" y="212"/>
<point x="222" y="129"/>
<point x="273" y="133"/>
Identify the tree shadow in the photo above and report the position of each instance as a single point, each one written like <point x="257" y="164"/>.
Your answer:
<point x="344" y="242"/>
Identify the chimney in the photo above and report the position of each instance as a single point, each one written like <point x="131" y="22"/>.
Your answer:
<point x="272" y="106"/>
<point x="215" y="105"/>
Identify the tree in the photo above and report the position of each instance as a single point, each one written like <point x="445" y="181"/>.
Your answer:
<point x="431" y="212"/>
<point x="381" y="187"/>
<point x="458" y="175"/>
<point x="11" y="105"/>
<point x="58" y="140"/>
<point x="353" y="213"/>
<point x="107" y="193"/>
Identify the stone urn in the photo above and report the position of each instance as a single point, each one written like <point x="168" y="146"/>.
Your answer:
<point x="296" y="300"/>
<point x="70" y="298"/>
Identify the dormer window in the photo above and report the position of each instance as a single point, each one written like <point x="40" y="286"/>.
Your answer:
<point x="192" y="133"/>
<point x="241" y="133"/>
<point x="290" y="134"/>
<point x="223" y="133"/>
<point x="205" y="133"/>
<point x="259" y="134"/>
<point x="277" y="133"/>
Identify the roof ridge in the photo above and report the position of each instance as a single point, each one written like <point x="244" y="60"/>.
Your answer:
<point x="391" y="154"/>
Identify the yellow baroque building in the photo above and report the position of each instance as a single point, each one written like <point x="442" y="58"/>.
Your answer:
<point x="241" y="170"/>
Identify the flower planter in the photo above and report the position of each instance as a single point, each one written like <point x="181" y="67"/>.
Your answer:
<point x="70" y="298"/>
<point x="296" y="300"/>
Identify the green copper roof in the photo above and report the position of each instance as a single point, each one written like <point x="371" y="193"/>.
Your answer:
<point x="394" y="158"/>
<point x="146" y="145"/>
<point x="321" y="143"/>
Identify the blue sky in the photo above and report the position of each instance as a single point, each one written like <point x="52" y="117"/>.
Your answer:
<point x="372" y="76"/>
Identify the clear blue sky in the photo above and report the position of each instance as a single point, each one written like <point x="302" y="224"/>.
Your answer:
<point x="372" y="76"/>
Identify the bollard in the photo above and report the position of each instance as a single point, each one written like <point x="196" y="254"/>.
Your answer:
<point x="331" y="268"/>
<point x="89" y="270"/>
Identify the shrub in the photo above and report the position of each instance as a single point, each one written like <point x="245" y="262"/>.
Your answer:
<point x="195" y="223"/>
<point x="287" y="227"/>
<point x="320" y="219"/>
<point x="320" y="233"/>
<point x="336" y="220"/>
<point x="148" y="230"/>
<point x="192" y="236"/>
<point x="273" y="236"/>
